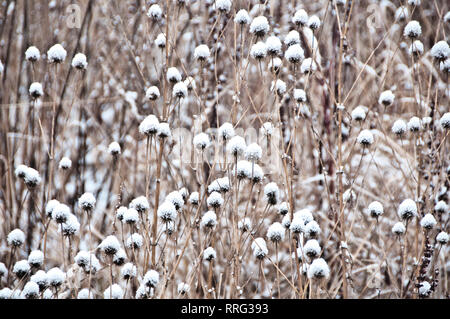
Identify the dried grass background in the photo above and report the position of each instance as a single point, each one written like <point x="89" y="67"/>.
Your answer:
<point x="106" y="103"/>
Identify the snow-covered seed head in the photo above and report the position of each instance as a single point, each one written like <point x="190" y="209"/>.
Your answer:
<point x="412" y="30"/>
<point x="119" y="257"/>
<point x="442" y="238"/>
<point x="140" y="204"/>
<point x="267" y="129"/>
<point x="201" y="52"/>
<point x="113" y="292"/>
<point x="194" y="198"/>
<point x="49" y="207"/>
<point x="286" y="221"/>
<point x="21" y="171"/>
<point x="258" y="50"/>
<point x="294" y="54"/>
<point x="428" y="221"/>
<point x="160" y="41"/>
<point x="399" y="127"/>
<point x="271" y="193"/>
<point x="151" y="278"/>
<point x="134" y="241"/>
<point x="173" y="75"/>
<point x="236" y="146"/>
<point x="279" y="87"/>
<point x="128" y="271"/>
<point x="414" y="2"/>
<point x="41" y="279"/>
<point x="416" y="48"/>
<point x="253" y="152"/>
<point x="32" y="54"/>
<point x="283" y="208"/>
<point x="299" y="95"/>
<point x="424" y="289"/>
<point x="312" y="229"/>
<point x="386" y="98"/>
<point x="149" y="125"/>
<point x="79" y="61"/>
<point x="55" y="277"/>
<point x="223" y="6"/>
<point x="56" y="54"/>
<point x="167" y="211"/>
<point x="120" y="212"/>
<point x="296" y="226"/>
<point x="29" y="175"/>
<point x="259" y="248"/>
<point x="441" y="207"/>
<point x="190" y="83"/>
<point x="82" y="258"/>
<point x="164" y="130"/>
<point x="308" y="66"/>
<point x="21" y="268"/>
<point x="273" y="45"/>
<point x="201" y="141"/>
<point x="152" y="93"/>
<point x="110" y="245"/>
<point x="245" y="224"/>
<point x="242" y="17"/>
<point x="36" y="258"/>
<point x="114" y="149"/>
<point x="407" y="209"/>
<point x="6" y="293"/>
<point x="36" y="90"/>
<point x="440" y="51"/>
<point x="183" y="288"/>
<point x="300" y="18"/>
<point x="274" y="65"/>
<point x="414" y="124"/>
<point x="180" y="90"/>
<point x="215" y="200"/>
<point x="375" y="209"/>
<point x="130" y="216"/>
<point x="260" y="26"/>
<point x="275" y="233"/>
<point x="142" y="292"/>
<point x="226" y="131"/>
<point x="243" y="169"/>
<point x="16" y="238"/>
<point x="209" y="254"/>
<point x="445" y="121"/>
<point x="318" y="269"/>
<point x="314" y="22"/>
<point x="176" y="198"/>
<point x="401" y="13"/>
<point x="87" y="201"/>
<point x="184" y="193"/>
<point x="312" y="248"/>
<point x="155" y="12"/>
<point x="358" y="114"/>
<point x="65" y="163"/>
<point x="305" y="215"/>
<point x="60" y="213"/>
<point x="30" y="290"/>
<point x="84" y="294"/>
<point x="365" y="138"/>
<point x="209" y="220"/>
<point x="398" y="229"/>
<point x="256" y="173"/>
<point x="293" y="37"/>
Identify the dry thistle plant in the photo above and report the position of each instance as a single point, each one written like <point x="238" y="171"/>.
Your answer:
<point x="224" y="149"/>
